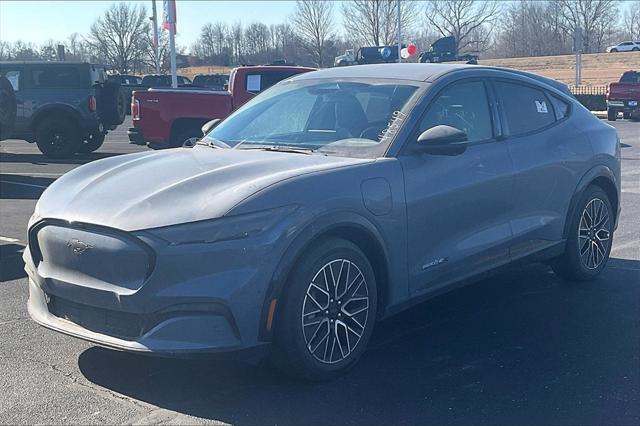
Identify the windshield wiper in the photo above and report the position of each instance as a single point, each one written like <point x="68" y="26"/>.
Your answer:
<point x="213" y="143"/>
<point x="281" y="148"/>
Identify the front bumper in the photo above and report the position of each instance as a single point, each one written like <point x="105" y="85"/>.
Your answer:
<point x="135" y="292"/>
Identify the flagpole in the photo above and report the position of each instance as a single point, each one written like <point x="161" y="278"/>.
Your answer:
<point x="172" y="42"/>
<point x="155" y="36"/>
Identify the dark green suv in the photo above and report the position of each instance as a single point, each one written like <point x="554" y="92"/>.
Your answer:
<point x="64" y="107"/>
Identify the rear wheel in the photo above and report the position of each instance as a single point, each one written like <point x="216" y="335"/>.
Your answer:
<point x="626" y="115"/>
<point x="326" y="316"/>
<point x="612" y="114"/>
<point x="590" y="237"/>
<point x="93" y="141"/>
<point x="58" y="137"/>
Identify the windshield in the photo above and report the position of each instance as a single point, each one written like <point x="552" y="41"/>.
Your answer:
<point x="345" y="118"/>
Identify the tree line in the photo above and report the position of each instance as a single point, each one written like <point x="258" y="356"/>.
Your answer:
<point x="319" y="30"/>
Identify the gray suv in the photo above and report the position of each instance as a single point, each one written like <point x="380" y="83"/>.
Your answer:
<point x="64" y="107"/>
<point x="330" y="201"/>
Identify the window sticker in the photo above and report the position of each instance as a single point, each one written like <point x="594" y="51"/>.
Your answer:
<point x="541" y="106"/>
<point x="14" y="78"/>
<point x="397" y="118"/>
<point x="253" y="82"/>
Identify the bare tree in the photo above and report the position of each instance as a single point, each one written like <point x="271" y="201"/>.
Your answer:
<point x="595" y="17"/>
<point x="118" y="36"/>
<point x="313" y="20"/>
<point x="465" y="20"/>
<point x="631" y="21"/>
<point x="374" y="22"/>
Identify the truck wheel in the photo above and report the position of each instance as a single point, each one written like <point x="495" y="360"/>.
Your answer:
<point x="93" y="141"/>
<point x="626" y="115"/>
<point x="7" y="108"/>
<point x="58" y="137"/>
<point x="111" y="104"/>
<point x="612" y="114"/>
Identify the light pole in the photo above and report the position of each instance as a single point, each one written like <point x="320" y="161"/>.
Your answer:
<point x="399" y="37"/>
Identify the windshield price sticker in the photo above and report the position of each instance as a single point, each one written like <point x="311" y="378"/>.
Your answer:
<point x="397" y="118"/>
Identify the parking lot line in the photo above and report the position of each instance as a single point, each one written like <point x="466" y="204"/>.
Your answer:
<point x="32" y="185"/>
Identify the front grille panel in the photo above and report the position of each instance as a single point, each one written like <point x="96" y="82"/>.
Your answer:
<point x="92" y="257"/>
<point x="105" y="321"/>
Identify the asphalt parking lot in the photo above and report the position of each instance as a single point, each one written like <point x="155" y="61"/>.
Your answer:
<point x="516" y="348"/>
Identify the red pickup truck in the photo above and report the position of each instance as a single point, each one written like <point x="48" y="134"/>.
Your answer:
<point x="624" y="96"/>
<point x="166" y="118"/>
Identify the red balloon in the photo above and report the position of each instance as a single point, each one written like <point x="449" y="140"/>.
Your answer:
<point x="412" y="49"/>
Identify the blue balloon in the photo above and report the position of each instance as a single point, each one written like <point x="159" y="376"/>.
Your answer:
<point x="385" y="52"/>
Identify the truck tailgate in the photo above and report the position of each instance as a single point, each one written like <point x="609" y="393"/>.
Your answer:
<point x="624" y="91"/>
<point x="159" y="108"/>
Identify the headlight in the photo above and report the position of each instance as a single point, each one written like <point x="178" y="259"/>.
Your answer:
<point x="222" y="229"/>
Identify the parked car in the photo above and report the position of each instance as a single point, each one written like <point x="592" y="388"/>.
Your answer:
<point x="165" y="118"/>
<point x="64" y="107"/>
<point x="624" y="96"/>
<point x="625" y="46"/>
<point x="8" y="108"/>
<point x="343" y="196"/>
<point x="212" y="81"/>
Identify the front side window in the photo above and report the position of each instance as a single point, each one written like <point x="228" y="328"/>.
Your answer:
<point x="329" y="117"/>
<point x="526" y="109"/>
<point x="464" y="106"/>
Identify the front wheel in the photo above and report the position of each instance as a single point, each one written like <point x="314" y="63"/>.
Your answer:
<point x="590" y="237"/>
<point x="326" y="316"/>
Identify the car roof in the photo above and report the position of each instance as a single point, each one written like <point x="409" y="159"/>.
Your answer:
<point x="417" y="72"/>
<point x="404" y="71"/>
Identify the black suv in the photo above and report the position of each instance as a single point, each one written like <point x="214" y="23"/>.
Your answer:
<point x="64" y="107"/>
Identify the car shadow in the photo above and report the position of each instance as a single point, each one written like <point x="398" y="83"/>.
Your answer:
<point x="516" y="348"/>
<point x="11" y="263"/>
<point x="23" y="187"/>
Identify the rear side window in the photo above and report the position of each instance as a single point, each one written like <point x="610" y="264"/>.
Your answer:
<point x="526" y="109"/>
<point x="560" y="107"/>
<point x="56" y="77"/>
<point x="463" y="106"/>
<point x="630" y="77"/>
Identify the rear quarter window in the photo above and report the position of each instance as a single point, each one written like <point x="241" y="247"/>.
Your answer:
<point x="526" y="109"/>
<point x="57" y="77"/>
<point x="560" y="107"/>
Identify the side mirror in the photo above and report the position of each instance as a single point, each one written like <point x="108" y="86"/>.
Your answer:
<point x="209" y="125"/>
<point x="443" y="140"/>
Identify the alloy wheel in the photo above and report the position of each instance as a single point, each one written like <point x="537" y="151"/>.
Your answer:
<point x="335" y="311"/>
<point x="594" y="234"/>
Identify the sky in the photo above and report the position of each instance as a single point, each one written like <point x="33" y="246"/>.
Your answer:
<point x="38" y="21"/>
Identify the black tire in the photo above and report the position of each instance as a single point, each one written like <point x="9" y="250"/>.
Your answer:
<point x="575" y="264"/>
<point x="292" y="351"/>
<point x="635" y="49"/>
<point x="626" y="115"/>
<point x="612" y="114"/>
<point x="93" y="141"/>
<point x="112" y="107"/>
<point x="58" y="137"/>
<point x="8" y="108"/>
<point x="614" y="50"/>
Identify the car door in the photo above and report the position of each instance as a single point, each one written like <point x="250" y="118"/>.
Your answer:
<point x="547" y="154"/>
<point x="458" y="207"/>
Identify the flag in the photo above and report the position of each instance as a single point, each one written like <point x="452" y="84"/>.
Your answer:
<point x="169" y="15"/>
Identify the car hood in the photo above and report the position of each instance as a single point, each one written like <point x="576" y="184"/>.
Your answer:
<point x="153" y="189"/>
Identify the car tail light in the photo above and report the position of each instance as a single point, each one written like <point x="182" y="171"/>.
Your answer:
<point x="135" y="109"/>
<point x="92" y="104"/>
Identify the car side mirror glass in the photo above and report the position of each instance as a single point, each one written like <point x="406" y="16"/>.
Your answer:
<point x="443" y="140"/>
<point x="209" y="125"/>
